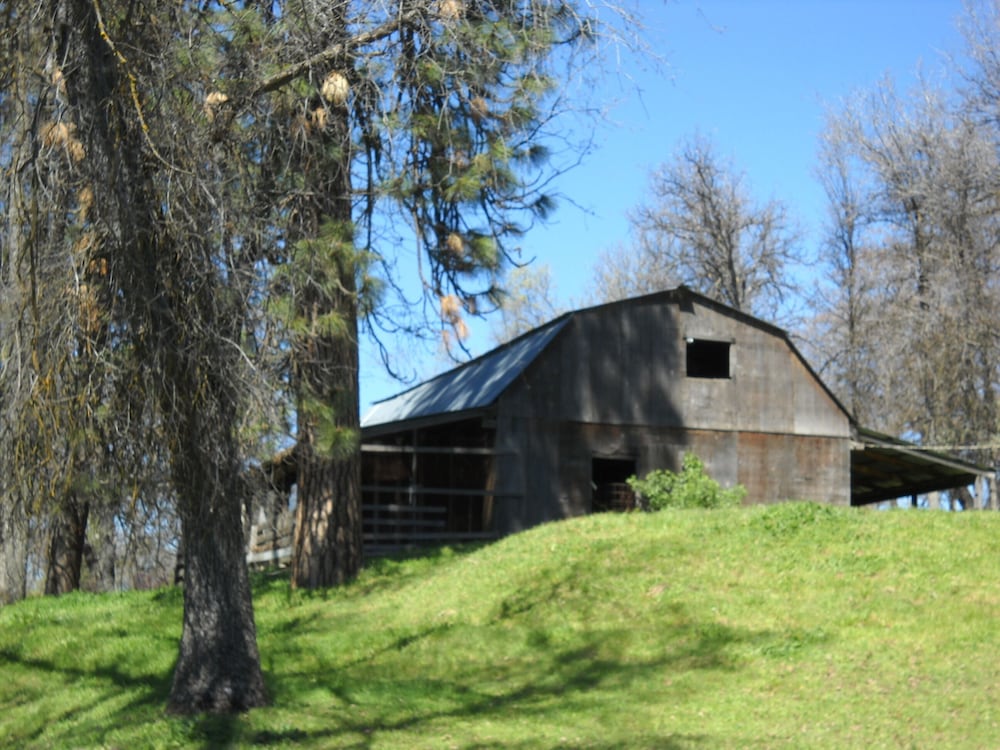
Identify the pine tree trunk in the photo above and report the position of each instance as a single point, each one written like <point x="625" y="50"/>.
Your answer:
<point x="327" y="547"/>
<point x="328" y="543"/>
<point x="328" y="535"/>
<point x="67" y="538"/>
<point x="218" y="665"/>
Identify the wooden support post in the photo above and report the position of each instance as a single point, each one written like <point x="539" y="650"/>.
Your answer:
<point x="413" y="467"/>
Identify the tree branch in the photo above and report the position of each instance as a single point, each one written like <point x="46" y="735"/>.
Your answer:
<point x="289" y="74"/>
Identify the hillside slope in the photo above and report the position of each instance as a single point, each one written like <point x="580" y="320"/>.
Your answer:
<point x="789" y="626"/>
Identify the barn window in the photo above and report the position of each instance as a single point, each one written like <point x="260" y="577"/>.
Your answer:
<point x="707" y="359"/>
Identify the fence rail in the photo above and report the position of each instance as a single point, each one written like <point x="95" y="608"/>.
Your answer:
<point x="387" y="528"/>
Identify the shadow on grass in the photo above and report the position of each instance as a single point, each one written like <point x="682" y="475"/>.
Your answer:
<point x="149" y="693"/>
<point x="381" y="707"/>
<point x="385" y="573"/>
<point x="169" y="596"/>
<point x="645" y="741"/>
<point x="400" y="688"/>
<point x="512" y="668"/>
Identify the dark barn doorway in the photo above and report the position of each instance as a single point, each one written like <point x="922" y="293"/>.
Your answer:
<point x="611" y="492"/>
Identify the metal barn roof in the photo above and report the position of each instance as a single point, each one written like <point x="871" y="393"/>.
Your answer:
<point x="885" y="468"/>
<point x="474" y="385"/>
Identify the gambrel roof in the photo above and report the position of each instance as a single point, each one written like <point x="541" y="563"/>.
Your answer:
<point x="478" y="383"/>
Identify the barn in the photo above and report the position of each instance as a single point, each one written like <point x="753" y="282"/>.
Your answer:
<point x="550" y="425"/>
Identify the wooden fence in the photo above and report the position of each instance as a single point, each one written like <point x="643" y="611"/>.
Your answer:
<point x="387" y="529"/>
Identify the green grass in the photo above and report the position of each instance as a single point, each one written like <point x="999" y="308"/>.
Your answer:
<point x="795" y="626"/>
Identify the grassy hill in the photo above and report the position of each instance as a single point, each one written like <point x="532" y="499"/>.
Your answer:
<point x="795" y="626"/>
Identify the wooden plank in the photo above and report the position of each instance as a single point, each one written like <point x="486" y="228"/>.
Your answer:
<point x="394" y="523"/>
<point x="420" y="509"/>
<point x="444" y="450"/>
<point x="448" y="491"/>
<point x="276" y="555"/>
<point x="272" y="544"/>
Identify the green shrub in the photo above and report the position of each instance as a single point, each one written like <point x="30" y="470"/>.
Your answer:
<point x="692" y="487"/>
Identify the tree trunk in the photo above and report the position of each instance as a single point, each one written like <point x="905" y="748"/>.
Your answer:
<point x="328" y="540"/>
<point x="101" y="550"/>
<point x="67" y="539"/>
<point x="218" y="666"/>
<point x="13" y="553"/>
<point x="327" y="547"/>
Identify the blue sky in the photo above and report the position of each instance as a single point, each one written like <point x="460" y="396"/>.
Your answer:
<point x="754" y="76"/>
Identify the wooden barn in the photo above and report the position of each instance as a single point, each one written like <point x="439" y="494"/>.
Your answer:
<point x="551" y="424"/>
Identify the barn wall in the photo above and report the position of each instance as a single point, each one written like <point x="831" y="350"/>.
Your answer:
<point x="527" y="461"/>
<point x="619" y="367"/>
<point x="789" y="467"/>
<point x="554" y="480"/>
<point x="580" y="443"/>
<point x="628" y="366"/>
<point x="770" y="390"/>
<point x="544" y="467"/>
<point x="614" y="385"/>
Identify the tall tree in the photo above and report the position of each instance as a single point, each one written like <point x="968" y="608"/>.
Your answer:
<point x="630" y="270"/>
<point x="119" y="222"/>
<point x="245" y="163"/>
<point x="845" y="319"/>
<point x="52" y="375"/>
<point x="927" y="171"/>
<point x="428" y="113"/>
<point x="702" y="228"/>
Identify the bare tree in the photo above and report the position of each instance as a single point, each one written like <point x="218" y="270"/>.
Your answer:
<point x="13" y="549"/>
<point x="528" y="301"/>
<point x="845" y="321"/>
<point x="701" y="228"/>
<point x="630" y="271"/>
<point x="54" y="375"/>
<point x="923" y="281"/>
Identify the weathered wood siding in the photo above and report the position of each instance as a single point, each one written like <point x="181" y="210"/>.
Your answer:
<point x="614" y="384"/>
